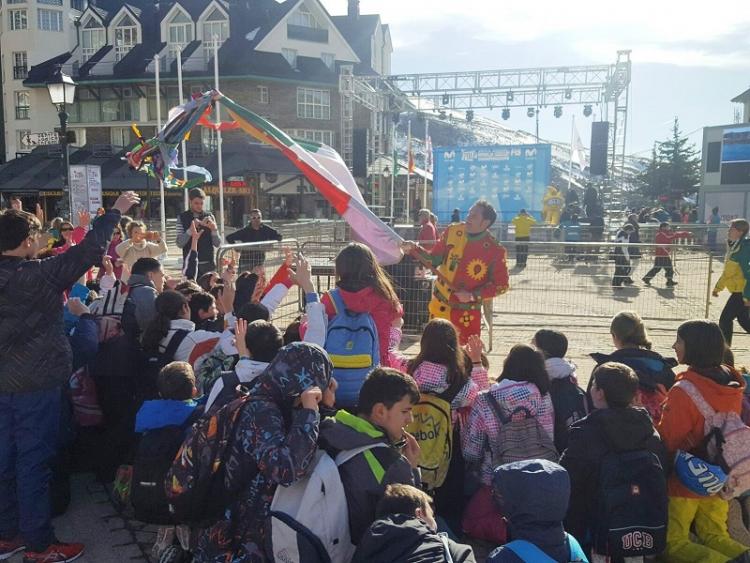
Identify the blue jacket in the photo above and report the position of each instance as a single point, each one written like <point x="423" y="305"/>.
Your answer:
<point x="163" y="412"/>
<point x="84" y="341"/>
<point x="533" y="496"/>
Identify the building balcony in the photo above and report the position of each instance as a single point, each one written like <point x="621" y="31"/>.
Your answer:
<point x="302" y="33"/>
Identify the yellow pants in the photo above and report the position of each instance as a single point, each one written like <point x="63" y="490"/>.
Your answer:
<point x="710" y="517"/>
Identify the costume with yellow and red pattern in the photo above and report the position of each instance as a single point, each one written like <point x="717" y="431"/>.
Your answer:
<point x="465" y="262"/>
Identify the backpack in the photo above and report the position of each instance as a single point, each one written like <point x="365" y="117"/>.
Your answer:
<point x="212" y="368"/>
<point x="153" y="458"/>
<point x="570" y="404"/>
<point x="630" y="518"/>
<point x="520" y="438"/>
<point x="353" y="347"/>
<point x="129" y="322"/>
<point x="203" y="479"/>
<point x="527" y="551"/>
<point x="309" y="519"/>
<point x="153" y="363"/>
<point x="726" y="442"/>
<point x="86" y="408"/>
<point x="432" y="427"/>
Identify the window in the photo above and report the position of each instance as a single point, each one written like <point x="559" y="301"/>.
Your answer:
<point x="22" y="134"/>
<point x="313" y="104"/>
<point x="20" y="65"/>
<point x="329" y="59"/>
<point x="713" y="157"/>
<point x="263" y="95"/>
<point x="92" y="38"/>
<point x="215" y="32"/>
<point x="171" y="100"/>
<point x="126" y="37"/>
<point x="49" y="20"/>
<point x="209" y="140"/>
<point x="22" y="105"/>
<point x="77" y="5"/>
<point x="304" y="18"/>
<point x="291" y="56"/>
<point x="17" y="20"/>
<point x="120" y="137"/>
<point x="180" y="33"/>
<point x="318" y="136"/>
<point x="50" y="2"/>
<point x="15" y="2"/>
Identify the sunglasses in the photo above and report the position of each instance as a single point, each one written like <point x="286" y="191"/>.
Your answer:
<point x="65" y="229"/>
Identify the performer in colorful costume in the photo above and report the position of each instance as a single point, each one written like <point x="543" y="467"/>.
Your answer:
<point x="553" y="203"/>
<point x="470" y="265"/>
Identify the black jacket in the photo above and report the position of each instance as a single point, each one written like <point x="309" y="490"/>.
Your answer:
<point x="400" y="538"/>
<point x="590" y="439"/>
<point x="35" y="353"/>
<point x="248" y="234"/>
<point x="651" y="368"/>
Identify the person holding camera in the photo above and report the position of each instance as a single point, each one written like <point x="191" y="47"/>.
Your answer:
<point x="140" y="243"/>
<point x="205" y="224"/>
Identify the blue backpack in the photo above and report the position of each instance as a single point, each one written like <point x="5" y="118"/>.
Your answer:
<point x="353" y="346"/>
<point x="527" y="551"/>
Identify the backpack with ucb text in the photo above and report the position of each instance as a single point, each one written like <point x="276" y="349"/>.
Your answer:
<point x="570" y="404"/>
<point x="309" y="519"/>
<point x="528" y="552"/>
<point x="432" y="427"/>
<point x="726" y="442"/>
<point x="520" y="439"/>
<point x="354" y="349"/>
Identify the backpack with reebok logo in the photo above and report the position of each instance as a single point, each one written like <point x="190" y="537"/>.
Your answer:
<point x="353" y="347"/>
<point x="520" y="438"/>
<point x="432" y="427"/>
<point x="570" y="404"/>
<point x="726" y="442"/>
<point x="309" y="519"/>
<point x="204" y="478"/>
<point x="630" y="518"/>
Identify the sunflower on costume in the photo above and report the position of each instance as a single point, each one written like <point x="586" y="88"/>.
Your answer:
<point x="476" y="269"/>
<point x="466" y="319"/>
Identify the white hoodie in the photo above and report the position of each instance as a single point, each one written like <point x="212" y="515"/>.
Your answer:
<point x="560" y="368"/>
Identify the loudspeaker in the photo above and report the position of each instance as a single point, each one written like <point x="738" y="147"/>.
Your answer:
<point x="599" y="148"/>
<point x="359" y="156"/>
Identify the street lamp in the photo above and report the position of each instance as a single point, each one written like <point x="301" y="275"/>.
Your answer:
<point x="62" y="91"/>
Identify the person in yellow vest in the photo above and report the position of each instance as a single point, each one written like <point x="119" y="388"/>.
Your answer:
<point x="523" y="223"/>
<point x="553" y="203"/>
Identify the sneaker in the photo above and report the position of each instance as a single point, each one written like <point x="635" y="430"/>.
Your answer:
<point x="56" y="553"/>
<point x="646" y="281"/>
<point x="671" y="283"/>
<point x="8" y="548"/>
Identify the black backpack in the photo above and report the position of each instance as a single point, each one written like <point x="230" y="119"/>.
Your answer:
<point x="630" y="519"/>
<point x="570" y="404"/>
<point x="152" y="363"/>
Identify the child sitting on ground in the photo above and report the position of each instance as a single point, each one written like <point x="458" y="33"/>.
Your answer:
<point x="406" y="531"/>
<point x="385" y="403"/>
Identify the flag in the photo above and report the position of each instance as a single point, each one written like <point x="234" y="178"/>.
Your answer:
<point x="428" y="155"/>
<point x="327" y="171"/>
<point x="411" y="160"/>
<point x="578" y="152"/>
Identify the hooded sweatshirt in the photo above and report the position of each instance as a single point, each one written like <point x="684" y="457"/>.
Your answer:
<point x="366" y="475"/>
<point x="590" y="439"/>
<point x="163" y="412"/>
<point x="401" y="538"/>
<point x="682" y="425"/>
<point x="533" y="496"/>
<point x="651" y="368"/>
<point x="280" y="439"/>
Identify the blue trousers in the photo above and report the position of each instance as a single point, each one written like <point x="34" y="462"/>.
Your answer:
<point x="28" y="440"/>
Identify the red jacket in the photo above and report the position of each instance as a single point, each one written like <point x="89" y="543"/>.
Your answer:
<point x="428" y="235"/>
<point x="663" y="237"/>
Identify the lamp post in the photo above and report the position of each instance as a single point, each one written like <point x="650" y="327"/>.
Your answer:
<point x="62" y="91"/>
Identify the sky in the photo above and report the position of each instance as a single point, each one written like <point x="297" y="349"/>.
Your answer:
<point x="688" y="62"/>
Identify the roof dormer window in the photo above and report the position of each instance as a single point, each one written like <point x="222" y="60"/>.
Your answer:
<point x="93" y="38"/>
<point x="179" y="33"/>
<point x="126" y="36"/>
<point x="215" y="32"/>
<point x="304" y="18"/>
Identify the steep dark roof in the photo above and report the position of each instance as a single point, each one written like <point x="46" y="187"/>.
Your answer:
<point x="39" y="74"/>
<point x="358" y="32"/>
<point x="86" y="67"/>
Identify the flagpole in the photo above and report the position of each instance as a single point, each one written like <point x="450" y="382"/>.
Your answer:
<point x="162" y="212"/>
<point x="218" y="140"/>
<point x="394" y="174"/>
<point x="182" y="101"/>
<point x="572" y="148"/>
<point x="408" y="170"/>
<point x="426" y="159"/>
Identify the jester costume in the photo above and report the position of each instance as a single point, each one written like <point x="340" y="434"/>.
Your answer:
<point x="473" y="263"/>
<point x="553" y="203"/>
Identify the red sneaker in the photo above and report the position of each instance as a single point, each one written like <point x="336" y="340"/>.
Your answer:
<point x="56" y="553"/>
<point x="8" y="548"/>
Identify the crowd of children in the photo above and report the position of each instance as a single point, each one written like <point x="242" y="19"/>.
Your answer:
<point x="324" y="442"/>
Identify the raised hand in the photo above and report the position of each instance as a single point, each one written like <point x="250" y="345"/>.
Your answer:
<point x="474" y="348"/>
<point x="84" y="219"/>
<point x="126" y="201"/>
<point x="240" y="331"/>
<point x="311" y="398"/>
<point x="76" y="307"/>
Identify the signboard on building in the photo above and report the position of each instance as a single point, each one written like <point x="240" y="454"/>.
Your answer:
<point x="735" y="156"/>
<point x="85" y="188"/>
<point x="40" y="139"/>
<point x="511" y="177"/>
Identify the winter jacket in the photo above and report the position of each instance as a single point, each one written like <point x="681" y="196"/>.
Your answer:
<point x="367" y="300"/>
<point x="742" y="257"/>
<point x="163" y="412"/>
<point x="130" y="252"/>
<point x="280" y="439"/>
<point x="732" y="279"/>
<point x="249" y="234"/>
<point x="681" y="425"/>
<point x="34" y="350"/>
<point x="194" y="347"/>
<point x="480" y="438"/>
<point x="84" y="341"/>
<point x="206" y="242"/>
<point x="562" y="374"/>
<point x="622" y="239"/>
<point x="602" y="432"/>
<point x="523" y="224"/>
<point x="401" y="538"/>
<point x="652" y="368"/>
<point x="362" y="487"/>
<point x="665" y="238"/>
<point x="533" y="497"/>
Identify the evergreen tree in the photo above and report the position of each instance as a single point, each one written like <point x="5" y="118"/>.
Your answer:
<point x="674" y="169"/>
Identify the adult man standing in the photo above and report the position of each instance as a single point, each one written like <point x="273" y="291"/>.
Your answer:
<point x="523" y="223"/>
<point x="470" y="266"/>
<point x="256" y="231"/>
<point x="427" y="232"/>
<point x="35" y="361"/>
<point x="206" y="225"/>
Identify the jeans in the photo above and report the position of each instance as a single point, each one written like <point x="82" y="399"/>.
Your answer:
<point x="622" y="270"/>
<point x="734" y="309"/>
<point x="522" y="250"/>
<point x="659" y="263"/>
<point x="28" y="441"/>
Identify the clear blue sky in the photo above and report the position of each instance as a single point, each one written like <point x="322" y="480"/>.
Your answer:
<point x="687" y="61"/>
